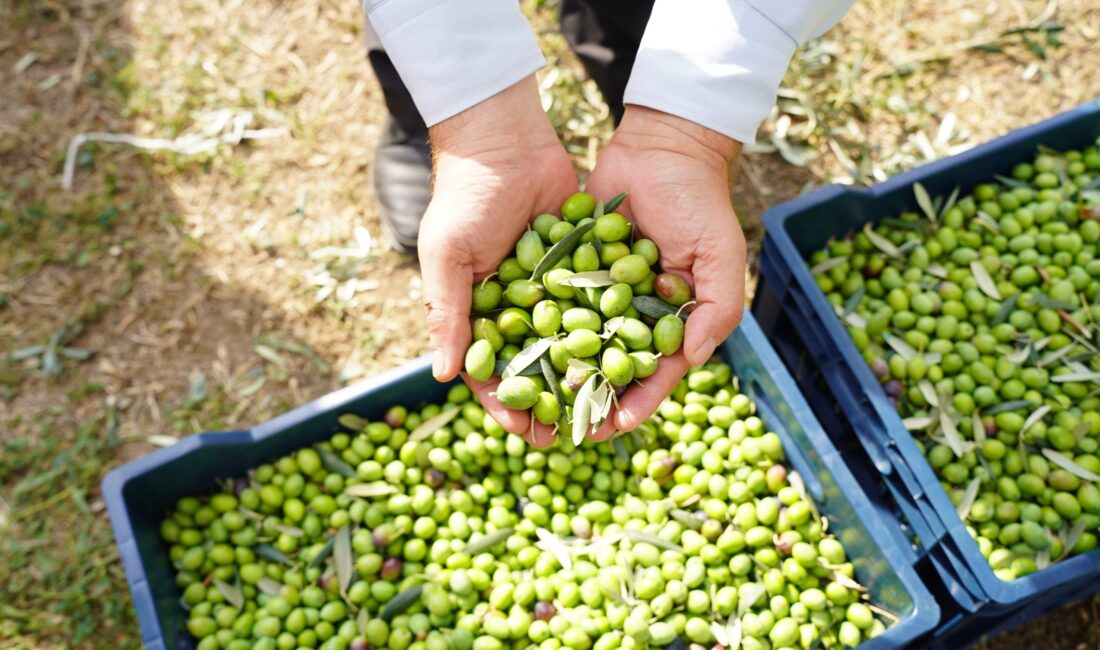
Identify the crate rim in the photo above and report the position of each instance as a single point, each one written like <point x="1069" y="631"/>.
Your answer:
<point x="994" y="590"/>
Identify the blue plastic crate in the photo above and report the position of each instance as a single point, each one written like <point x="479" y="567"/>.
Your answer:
<point x="848" y="400"/>
<point x="139" y="494"/>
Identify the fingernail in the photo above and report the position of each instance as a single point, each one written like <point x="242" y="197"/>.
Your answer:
<point x="703" y="352"/>
<point x="439" y="363"/>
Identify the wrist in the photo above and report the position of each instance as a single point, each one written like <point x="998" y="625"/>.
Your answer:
<point x="647" y="128"/>
<point x="511" y="120"/>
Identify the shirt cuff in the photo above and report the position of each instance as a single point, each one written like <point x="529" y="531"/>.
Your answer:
<point x="453" y="54"/>
<point x="718" y="65"/>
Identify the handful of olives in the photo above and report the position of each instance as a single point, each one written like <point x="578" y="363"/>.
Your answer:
<point x="575" y="315"/>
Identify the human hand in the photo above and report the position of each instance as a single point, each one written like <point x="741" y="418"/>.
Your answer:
<point x="496" y="165"/>
<point x="678" y="176"/>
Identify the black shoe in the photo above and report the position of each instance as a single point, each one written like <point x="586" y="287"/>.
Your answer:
<point x="401" y="181"/>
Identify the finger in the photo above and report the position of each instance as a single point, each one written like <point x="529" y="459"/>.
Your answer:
<point x="719" y="277"/>
<point x="448" y="277"/>
<point x="512" y="421"/>
<point x="606" y="430"/>
<point x="642" y="399"/>
<point x="543" y="436"/>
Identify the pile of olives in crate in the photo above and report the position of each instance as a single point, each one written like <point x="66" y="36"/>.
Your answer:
<point x="979" y="316"/>
<point x="434" y="529"/>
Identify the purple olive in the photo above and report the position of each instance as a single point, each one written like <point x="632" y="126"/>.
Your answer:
<point x="391" y="568"/>
<point x="544" y="611"/>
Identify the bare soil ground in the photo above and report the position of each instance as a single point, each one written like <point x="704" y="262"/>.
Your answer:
<point x="165" y="294"/>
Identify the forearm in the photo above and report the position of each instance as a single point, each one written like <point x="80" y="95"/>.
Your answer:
<point x="454" y="54"/>
<point x="719" y="63"/>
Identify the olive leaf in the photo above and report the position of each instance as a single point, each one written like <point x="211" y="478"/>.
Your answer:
<point x="612" y="326"/>
<point x="335" y="464"/>
<point x="1081" y="429"/>
<point x="827" y="265"/>
<point x="552" y="544"/>
<point x="269" y="586"/>
<point x="1046" y="302"/>
<point x="978" y="428"/>
<point x="935" y="270"/>
<point x="614" y="202"/>
<point x="928" y="392"/>
<point x="401" y="602"/>
<point x="951" y="434"/>
<point x="352" y="422"/>
<point x="1071" y="538"/>
<point x="1067" y="464"/>
<point x="686" y="518"/>
<point x="552" y="381"/>
<point x="582" y="410"/>
<point x="528" y="357"/>
<point x="559" y="250"/>
<point x="341" y="554"/>
<point x="638" y="536"/>
<point x="984" y="280"/>
<point x="601" y="402"/>
<point x="885" y="613"/>
<point x="924" y="201"/>
<point x="950" y="202"/>
<point x="917" y="422"/>
<point x="599" y="210"/>
<point x="272" y="554"/>
<point x="501" y="364"/>
<point x="232" y="593"/>
<point x="880" y="242"/>
<point x="1042" y="558"/>
<point x="486" y="542"/>
<point x="656" y="308"/>
<point x="1005" y="309"/>
<point x="901" y="347"/>
<point x="1036" y="415"/>
<point x="620" y="449"/>
<point x="733" y="632"/>
<point x="370" y="490"/>
<point x="589" y="279"/>
<point x="854" y="320"/>
<point x="323" y="554"/>
<point x="1011" y="405"/>
<point x="1011" y="182"/>
<point x="987" y="222"/>
<point x="846" y="582"/>
<point x="433" y="424"/>
<point x="748" y="595"/>
<point x="1020" y="355"/>
<point x="292" y="531"/>
<point x="718" y="631"/>
<point x="854" y="300"/>
<point x="361" y="621"/>
<point x="796" y="482"/>
<point x="968" y="498"/>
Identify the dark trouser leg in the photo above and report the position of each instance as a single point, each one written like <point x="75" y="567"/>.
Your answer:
<point x="605" y="34"/>
<point x="398" y="100"/>
<point x="402" y="167"/>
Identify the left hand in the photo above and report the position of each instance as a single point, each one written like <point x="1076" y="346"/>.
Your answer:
<point x="678" y="176"/>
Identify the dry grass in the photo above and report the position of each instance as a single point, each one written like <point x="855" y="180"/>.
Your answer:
<point x="174" y="294"/>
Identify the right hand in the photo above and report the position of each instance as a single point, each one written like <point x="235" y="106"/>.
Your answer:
<point x="496" y="165"/>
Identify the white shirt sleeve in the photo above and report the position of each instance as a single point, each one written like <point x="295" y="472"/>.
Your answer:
<point x="719" y="63"/>
<point x="453" y="54"/>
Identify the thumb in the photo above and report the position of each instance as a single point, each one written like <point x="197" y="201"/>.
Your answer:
<point x="720" y="296"/>
<point x="447" y="276"/>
